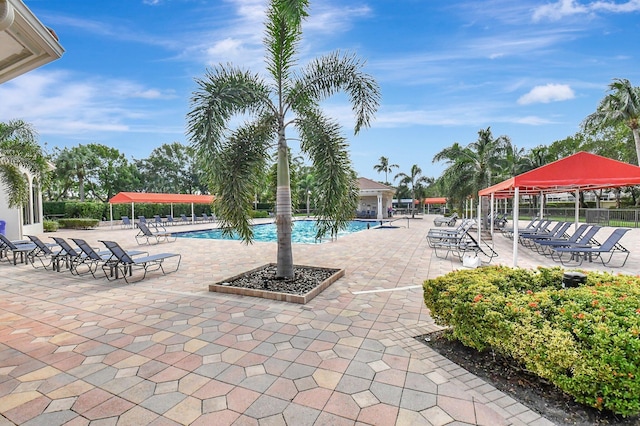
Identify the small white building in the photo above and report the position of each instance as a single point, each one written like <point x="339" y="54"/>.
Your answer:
<point x="375" y="199"/>
<point x="25" y="44"/>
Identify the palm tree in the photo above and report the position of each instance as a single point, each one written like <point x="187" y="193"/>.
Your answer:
<point x="19" y="150"/>
<point x="414" y="181"/>
<point x="621" y="105"/>
<point x="385" y="167"/>
<point x="235" y="157"/>
<point x="473" y="167"/>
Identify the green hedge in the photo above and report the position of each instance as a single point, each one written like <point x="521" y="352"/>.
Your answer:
<point x="585" y="340"/>
<point x="78" y="223"/>
<point x="100" y="211"/>
<point x="50" y="225"/>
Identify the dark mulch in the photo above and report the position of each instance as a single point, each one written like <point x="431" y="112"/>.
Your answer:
<point x="528" y="389"/>
<point x="305" y="279"/>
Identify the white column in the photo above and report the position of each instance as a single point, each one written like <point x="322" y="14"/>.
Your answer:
<point x="379" y="215"/>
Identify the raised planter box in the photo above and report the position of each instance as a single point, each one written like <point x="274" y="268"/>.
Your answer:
<point x="226" y="286"/>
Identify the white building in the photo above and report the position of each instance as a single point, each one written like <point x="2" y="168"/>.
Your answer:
<point x="375" y="199"/>
<point x="25" y="44"/>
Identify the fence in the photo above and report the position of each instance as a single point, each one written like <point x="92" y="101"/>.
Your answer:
<point x="629" y="218"/>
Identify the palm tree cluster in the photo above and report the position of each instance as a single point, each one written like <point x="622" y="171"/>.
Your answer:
<point x="234" y="158"/>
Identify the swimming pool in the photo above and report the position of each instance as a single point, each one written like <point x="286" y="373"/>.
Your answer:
<point x="304" y="232"/>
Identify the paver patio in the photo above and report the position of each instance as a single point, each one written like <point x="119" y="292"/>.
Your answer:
<point x="164" y="351"/>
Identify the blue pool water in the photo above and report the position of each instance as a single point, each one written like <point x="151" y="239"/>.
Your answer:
<point x="304" y="231"/>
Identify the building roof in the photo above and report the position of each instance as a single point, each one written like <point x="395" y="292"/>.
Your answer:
<point x="371" y="185"/>
<point x="25" y="43"/>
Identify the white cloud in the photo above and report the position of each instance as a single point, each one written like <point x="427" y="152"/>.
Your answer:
<point x="547" y="93"/>
<point x="562" y="8"/>
<point x="61" y="103"/>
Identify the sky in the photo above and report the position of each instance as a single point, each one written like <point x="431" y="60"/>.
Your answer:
<point x="530" y="70"/>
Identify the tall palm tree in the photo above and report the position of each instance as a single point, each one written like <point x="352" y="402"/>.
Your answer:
<point x="622" y="104"/>
<point x="19" y="149"/>
<point x="385" y="167"/>
<point x="473" y="167"/>
<point x="414" y="181"/>
<point x="291" y="98"/>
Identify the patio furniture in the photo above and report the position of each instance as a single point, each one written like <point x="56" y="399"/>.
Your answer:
<point x="123" y="262"/>
<point x="585" y="238"/>
<point x="446" y="220"/>
<point x="147" y="236"/>
<point x="126" y="222"/>
<point x="461" y="246"/>
<point x="93" y="258"/>
<point x="43" y="253"/>
<point x="17" y="248"/>
<point x="606" y="250"/>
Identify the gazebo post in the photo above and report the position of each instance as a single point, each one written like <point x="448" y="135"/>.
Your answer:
<point x="133" y="217"/>
<point x="577" y="209"/>
<point x="193" y="218"/>
<point x="493" y="219"/>
<point x="516" y="218"/>
<point x="111" y="215"/>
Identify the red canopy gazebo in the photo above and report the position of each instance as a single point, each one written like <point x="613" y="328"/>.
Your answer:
<point x="578" y="172"/>
<point x="154" y="197"/>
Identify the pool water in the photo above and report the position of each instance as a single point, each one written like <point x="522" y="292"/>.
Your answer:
<point x="304" y="231"/>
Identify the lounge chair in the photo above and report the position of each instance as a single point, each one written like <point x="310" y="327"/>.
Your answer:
<point x="157" y="220"/>
<point x="126" y="222"/>
<point x="446" y="220"/>
<point x="558" y="231"/>
<point x="123" y="262"/>
<point x="184" y="219"/>
<point x="438" y="235"/>
<point x="541" y="244"/>
<point x="93" y="258"/>
<point x="461" y="246"/>
<point x="609" y="247"/>
<point x="508" y="232"/>
<point x="170" y="220"/>
<point x="44" y="254"/>
<point x="71" y="256"/>
<point x="582" y="239"/>
<point x="17" y="248"/>
<point x="207" y="218"/>
<point x="147" y="236"/>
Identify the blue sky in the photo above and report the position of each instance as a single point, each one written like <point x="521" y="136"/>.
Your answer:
<point x="531" y="70"/>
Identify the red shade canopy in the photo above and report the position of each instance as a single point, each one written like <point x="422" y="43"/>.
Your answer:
<point x="150" y="197"/>
<point x="583" y="171"/>
<point x="436" y="200"/>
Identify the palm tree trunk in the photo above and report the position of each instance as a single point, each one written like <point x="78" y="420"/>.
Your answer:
<point x="284" y="267"/>
<point x="636" y="139"/>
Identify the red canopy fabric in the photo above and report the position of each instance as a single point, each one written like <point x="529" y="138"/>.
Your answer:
<point x="435" y="200"/>
<point x="583" y="171"/>
<point x="150" y="197"/>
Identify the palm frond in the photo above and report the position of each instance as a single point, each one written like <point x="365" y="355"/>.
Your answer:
<point x="15" y="184"/>
<point x="328" y="75"/>
<point x="224" y="92"/>
<point x="336" y="195"/>
<point x="234" y="173"/>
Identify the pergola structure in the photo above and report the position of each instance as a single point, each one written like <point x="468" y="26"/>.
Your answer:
<point x="152" y="197"/>
<point x="432" y="200"/>
<point x="582" y="171"/>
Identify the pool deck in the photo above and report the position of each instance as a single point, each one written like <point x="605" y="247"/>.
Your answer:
<point x="165" y="351"/>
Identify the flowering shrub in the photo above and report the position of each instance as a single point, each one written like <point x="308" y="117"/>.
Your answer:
<point x="585" y="340"/>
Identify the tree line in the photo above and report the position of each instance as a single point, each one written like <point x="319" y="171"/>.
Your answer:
<point x="612" y="131"/>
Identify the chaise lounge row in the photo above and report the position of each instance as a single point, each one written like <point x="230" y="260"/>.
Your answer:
<point x="115" y="262"/>
<point x="572" y="249"/>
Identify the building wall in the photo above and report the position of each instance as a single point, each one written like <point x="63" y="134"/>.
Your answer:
<point x="23" y="221"/>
